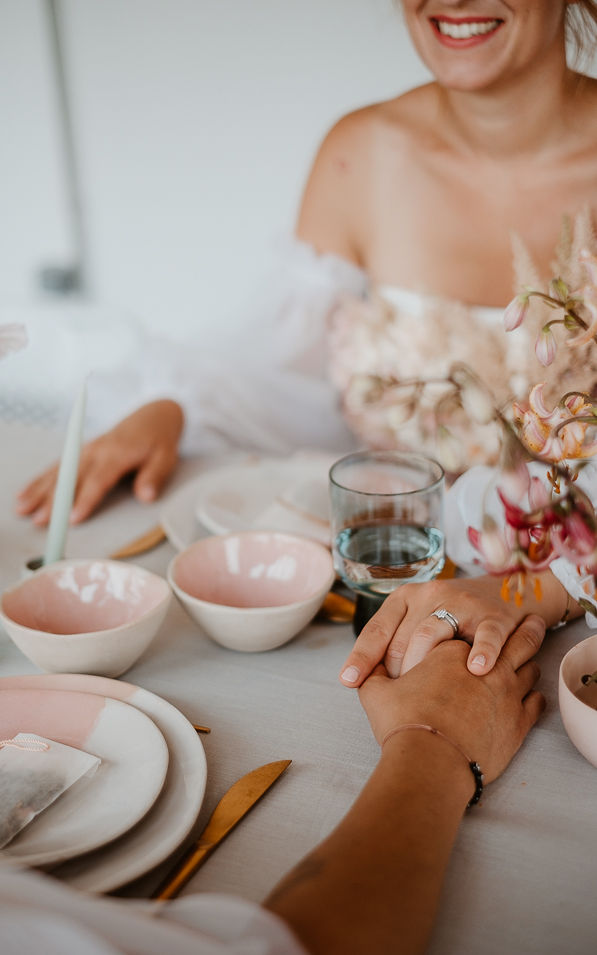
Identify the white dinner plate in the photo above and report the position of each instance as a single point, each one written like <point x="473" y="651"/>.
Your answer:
<point x="282" y="494"/>
<point x="98" y="808"/>
<point x="177" y="516"/>
<point x="174" y="813"/>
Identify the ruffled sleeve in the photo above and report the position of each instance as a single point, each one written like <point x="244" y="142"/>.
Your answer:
<point x="265" y="387"/>
<point x="39" y="914"/>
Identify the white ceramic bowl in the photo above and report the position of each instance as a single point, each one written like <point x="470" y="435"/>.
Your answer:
<point x="579" y="717"/>
<point x="85" y="616"/>
<point x="254" y="590"/>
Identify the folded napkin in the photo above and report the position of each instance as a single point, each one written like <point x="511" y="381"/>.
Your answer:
<point x="34" y="772"/>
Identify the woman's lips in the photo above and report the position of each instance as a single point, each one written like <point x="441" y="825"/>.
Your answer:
<point x="464" y="32"/>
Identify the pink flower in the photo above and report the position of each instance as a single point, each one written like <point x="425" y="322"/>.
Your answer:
<point x="491" y="543"/>
<point x="554" y="434"/>
<point x="12" y="338"/>
<point x="545" y="346"/>
<point x="514" y="482"/>
<point x="516" y="311"/>
<point x="539" y="495"/>
<point x="507" y="552"/>
<point x="575" y="538"/>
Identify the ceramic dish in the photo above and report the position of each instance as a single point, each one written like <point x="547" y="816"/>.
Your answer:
<point x="282" y="494"/>
<point x="85" y="615"/>
<point x="95" y="810"/>
<point x="578" y="703"/>
<point x="252" y="591"/>
<point x="175" y="811"/>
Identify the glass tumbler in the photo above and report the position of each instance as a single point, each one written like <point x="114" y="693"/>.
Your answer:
<point x="387" y="524"/>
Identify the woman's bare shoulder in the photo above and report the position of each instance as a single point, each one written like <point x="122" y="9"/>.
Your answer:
<point x="336" y="201"/>
<point x="362" y="131"/>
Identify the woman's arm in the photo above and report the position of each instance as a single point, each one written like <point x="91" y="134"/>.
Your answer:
<point x="374" y="884"/>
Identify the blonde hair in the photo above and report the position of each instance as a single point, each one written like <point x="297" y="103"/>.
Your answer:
<point x="581" y="29"/>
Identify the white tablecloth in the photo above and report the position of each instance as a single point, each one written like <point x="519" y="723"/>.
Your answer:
<point x="522" y="877"/>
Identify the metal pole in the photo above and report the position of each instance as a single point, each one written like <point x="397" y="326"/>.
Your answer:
<point x="66" y="278"/>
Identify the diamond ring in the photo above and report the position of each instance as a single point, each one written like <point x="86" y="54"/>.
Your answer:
<point x="444" y="614"/>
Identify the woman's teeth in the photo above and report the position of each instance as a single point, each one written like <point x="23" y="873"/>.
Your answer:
<point x="464" y="31"/>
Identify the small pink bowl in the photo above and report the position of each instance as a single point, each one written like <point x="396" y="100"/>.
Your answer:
<point x="578" y="717"/>
<point x="85" y="616"/>
<point x="252" y="591"/>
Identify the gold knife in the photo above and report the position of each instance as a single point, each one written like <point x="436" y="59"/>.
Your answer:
<point x="232" y="807"/>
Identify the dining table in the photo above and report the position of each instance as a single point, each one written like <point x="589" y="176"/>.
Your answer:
<point x="523" y="873"/>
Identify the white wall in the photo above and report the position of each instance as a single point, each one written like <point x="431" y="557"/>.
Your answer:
<point x="195" y="122"/>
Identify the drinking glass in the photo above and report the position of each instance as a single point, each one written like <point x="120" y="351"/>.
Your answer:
<point x="387" y="524"/>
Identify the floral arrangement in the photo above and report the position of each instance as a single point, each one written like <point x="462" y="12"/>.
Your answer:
<point x="544" y="521"/>
<point x="547" y="516"/>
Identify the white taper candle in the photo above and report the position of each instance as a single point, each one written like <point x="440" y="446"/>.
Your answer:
<point x="67" y="479"/>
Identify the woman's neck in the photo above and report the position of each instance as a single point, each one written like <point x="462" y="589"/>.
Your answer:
<point x="515" y="120"/>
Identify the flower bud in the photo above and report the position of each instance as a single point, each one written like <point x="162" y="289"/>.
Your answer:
<point x="515" y="312"/>
<point x="559" y="290"/>
<point x="545" y="346"/>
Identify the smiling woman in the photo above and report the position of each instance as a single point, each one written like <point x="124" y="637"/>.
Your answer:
<point x="403" y="265"/>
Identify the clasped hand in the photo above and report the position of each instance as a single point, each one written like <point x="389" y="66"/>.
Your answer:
<point x="488" y="717"/>
<point x="404" y="630"/>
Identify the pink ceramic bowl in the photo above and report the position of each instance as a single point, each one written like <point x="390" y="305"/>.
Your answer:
<point x="580" y="717"/>
<point x="85" y="616"/>
<point x="252" y="591"/>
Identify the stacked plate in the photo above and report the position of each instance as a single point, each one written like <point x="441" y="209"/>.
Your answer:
<point x="142" y="801"/>
<point x="279" y="494"/>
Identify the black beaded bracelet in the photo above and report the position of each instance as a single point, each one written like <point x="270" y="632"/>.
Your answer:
<point x="473" y="765"/>
<point x="476" y="771"/>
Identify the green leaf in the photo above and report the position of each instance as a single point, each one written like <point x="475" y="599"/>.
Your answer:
<point x="587" y="606"/>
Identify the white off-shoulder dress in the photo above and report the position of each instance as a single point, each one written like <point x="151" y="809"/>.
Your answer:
<point x="297" y="373"/>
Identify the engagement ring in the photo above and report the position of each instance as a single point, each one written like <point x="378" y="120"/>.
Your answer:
<point x="444" y="614"/>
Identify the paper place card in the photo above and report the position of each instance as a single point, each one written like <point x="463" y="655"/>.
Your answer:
<point x="34" y="772"/>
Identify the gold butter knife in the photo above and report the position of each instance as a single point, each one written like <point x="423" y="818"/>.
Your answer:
<point x="232" y="807"/>
<point x="148" y="540"/>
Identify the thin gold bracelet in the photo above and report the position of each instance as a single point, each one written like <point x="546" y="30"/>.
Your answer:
<point x="473" y="764"/>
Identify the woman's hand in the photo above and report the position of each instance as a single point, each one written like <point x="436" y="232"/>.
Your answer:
<point x="404" y="629"/>
<point x="488" y="717"/>
<point x="146" y="443"/>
